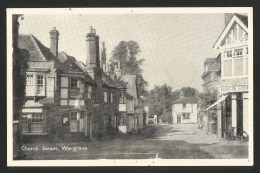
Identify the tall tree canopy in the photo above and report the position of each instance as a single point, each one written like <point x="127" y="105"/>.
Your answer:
<point x="126" y="53"/>
<point x="189" y="92"/>
<point x="160" y="99"/>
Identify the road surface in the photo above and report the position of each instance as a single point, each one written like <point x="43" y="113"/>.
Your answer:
<point x="182" y="141"/>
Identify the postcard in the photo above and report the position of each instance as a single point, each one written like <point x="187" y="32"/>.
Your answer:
<point x="130" y="86"/>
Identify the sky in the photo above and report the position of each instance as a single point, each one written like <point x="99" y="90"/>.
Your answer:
<point x="174" y="46"/>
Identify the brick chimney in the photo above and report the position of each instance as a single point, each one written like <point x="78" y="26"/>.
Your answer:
<point x="92" y="42"/>
<point x="93" y="63"/>
<point x="54" y="36"/>
<point x="227" y="17"/>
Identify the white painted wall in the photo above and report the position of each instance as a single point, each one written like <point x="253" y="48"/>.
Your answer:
<point x="190" y="108"/>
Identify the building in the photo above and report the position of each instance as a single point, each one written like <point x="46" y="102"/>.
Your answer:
<point x="66" y="99"/>
<point x="134" y="104"/>
<point x="185" y="110"/>
<point x="233" y="84"/>
<point x="211" y="73"/>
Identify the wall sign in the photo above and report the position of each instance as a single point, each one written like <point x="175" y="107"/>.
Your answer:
<point x="236" y="88"/>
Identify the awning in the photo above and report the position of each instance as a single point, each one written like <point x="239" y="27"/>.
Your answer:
<point x="217" y="102"/>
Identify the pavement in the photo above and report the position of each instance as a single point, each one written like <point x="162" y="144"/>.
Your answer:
<point x="181" y="141"/>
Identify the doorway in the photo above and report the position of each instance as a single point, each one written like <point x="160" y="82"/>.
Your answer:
<point x="178" y="119"/>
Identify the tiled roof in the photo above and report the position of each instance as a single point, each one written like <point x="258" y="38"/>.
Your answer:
<point x="213" y="65"/>
<point x="187" y="100"/>
<point x="243" y="18"/>
<point x="110" y="82"/>
<point x="28" y="42"/>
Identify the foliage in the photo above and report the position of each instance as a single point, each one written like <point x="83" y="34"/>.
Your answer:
<point x="190" y="92"/>
<point x="126" y="53"/>
<point x="160" y="99"/>
<point x="208" y="98"/>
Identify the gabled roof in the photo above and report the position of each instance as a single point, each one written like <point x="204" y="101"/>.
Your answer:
<point x="110" y="82"/>
<point x="37" y="51"/>
<point x="186" y="100"/>
<point x="213" y="65"/>
<point x="240" y="19"/>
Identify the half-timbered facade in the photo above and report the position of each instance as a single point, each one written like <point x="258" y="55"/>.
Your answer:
<point x="233" y="85"/>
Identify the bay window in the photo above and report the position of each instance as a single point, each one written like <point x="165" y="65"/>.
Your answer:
<point x="40" y="85"/>
<point x="29" y="80"/>
<point x="235" y="62"/>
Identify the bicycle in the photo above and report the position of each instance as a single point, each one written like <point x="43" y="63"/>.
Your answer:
<point x="231" y="133"/>
<point x="242" y="136"/>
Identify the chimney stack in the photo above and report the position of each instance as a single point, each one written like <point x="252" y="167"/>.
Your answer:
<point x="92" y="42"/>
<point x="227" y="17"/>
<point x="54" y="36"/>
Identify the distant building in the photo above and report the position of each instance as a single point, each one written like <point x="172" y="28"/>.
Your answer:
<point x="211" y="74"/>
<point x="185" y="110"/>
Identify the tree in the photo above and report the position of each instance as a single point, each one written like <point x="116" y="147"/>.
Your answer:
<point x="19" y="80"/>
<point x="190" y="92"/>
<point x="126" y="53"/>
<point x="160" y="101"/>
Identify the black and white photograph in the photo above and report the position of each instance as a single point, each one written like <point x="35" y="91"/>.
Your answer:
<point x="130" y="86"/>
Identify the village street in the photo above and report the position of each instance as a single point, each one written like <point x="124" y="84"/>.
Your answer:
<point x="181" y="141"/>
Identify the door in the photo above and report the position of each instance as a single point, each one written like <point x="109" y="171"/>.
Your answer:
<point x="179" y="119"/>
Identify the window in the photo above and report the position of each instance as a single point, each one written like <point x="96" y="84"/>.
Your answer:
<point x="184" y="105"/>
<point x="227" y="71"/>
<point x="111" y="97"/>
<point x="228" y="54"/>
<point x="186" y="116"/>
<point x="73" y="82"/>
<point x="40" y="84"/>
<point x="238" y="52"/>
<point x="32" y="123"/>
<point x="37" y="123"/>
<point x="29" y="80"/>
<point x="122" y="99"/>
<point x="105" y="97"/>
<point x="89" y="94"/>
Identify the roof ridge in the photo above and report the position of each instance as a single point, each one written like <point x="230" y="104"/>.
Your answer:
<point x="36" y="45"/>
